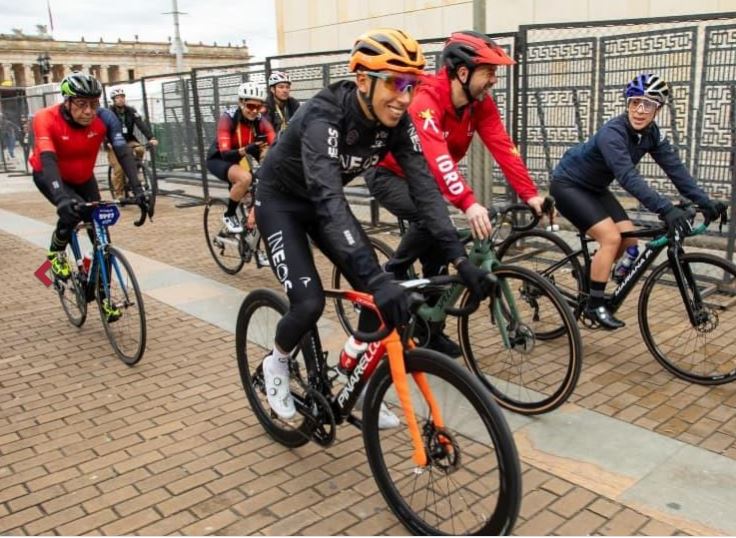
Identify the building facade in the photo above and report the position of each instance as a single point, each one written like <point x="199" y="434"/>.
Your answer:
<point x="323" y="25"/>
<point x="109" y="62"/>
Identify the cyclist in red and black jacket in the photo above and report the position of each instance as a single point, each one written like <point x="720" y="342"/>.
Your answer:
<point x="241" y="131"/>
<point x="448" y="109"/>
<point x="67" y="139"/>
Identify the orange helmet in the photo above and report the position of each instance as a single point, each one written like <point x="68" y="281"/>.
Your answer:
<point x="386" y="48"/>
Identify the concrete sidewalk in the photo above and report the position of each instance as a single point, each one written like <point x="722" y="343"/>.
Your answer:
<point x="75" y="423"/>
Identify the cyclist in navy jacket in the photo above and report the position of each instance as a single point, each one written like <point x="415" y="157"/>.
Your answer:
<point x="581" y="179"/>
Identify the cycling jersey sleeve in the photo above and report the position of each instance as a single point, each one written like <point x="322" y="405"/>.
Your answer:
<point x="427" y="115"/>
<point x="611" y="142"/>
<point x="224" y="128"/>
<point x="496" y="139"/>
<point x="44" y="146"/>
<point x="321" y="164"/>
<point x="407" y="149"/>
<point x="120" y="147"/>
<point x="265" y="127"/>
<point x="665" y="155"/>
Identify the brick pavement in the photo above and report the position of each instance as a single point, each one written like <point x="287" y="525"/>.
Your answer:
<point x="88" y="445"/>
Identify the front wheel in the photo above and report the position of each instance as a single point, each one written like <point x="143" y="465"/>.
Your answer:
<point x="472" y="482"/>
<point x="226" y="248"/>
<point x="120" y="302"/>
<point x="72" y="292"/>
<point x="149" y="184"/>
<point x="523" y="344"/>
<point x="703" y="352"/>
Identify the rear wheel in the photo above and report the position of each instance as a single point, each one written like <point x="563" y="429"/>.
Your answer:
<point x="226" y="248"/>
<point x="472" y="482"/>
<point x="536" y="367"/>
<point x="703" y="352"/>
<point x="72" y="292"/>
<point x="549" y="255"/>
<point x="255" y="331"/>
<point x="121" y="307"/>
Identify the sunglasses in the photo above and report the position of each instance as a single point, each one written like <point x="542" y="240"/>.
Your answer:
<point x="647" y="105"/>
<point x="93" y="104"/>
<point x="252" y="106"/>
<point x="395" y="83"/>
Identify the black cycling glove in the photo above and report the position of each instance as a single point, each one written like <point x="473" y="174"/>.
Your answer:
<point x="475" y="278"/>
<point x="713" y="210"/>
<point x="677" y="221"/>
<point x="391" y="300"/>
<point x="66" y="211"/>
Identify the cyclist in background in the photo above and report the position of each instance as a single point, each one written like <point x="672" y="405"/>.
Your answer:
<point x="337" y="135"/>
<point x="129" y="119"/>
<point x="67" y="138"/>
<point x="280" y="107"/>
<point x="580" y="184"/>
<point x="241" y="131"/>
<point x="448" y="109"/>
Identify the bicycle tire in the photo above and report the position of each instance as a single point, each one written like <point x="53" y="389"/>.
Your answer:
<point x="252" y="343"/>
<point x="72" y="292"/>
<point x="478" y="426"/>
<point x="225" y="248"/>
<point x="348" y="320"/>
<point x="535" y="375"/>
<point x="549" y="255"/>
<point x="109" y="183"/>
<point x="149" y="186"/>
<point x="129" y="350"/>
<point x="678" y="342"/>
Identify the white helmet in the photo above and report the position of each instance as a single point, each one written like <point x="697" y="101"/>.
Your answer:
<point x="277" y="77"/>
<point x="252" y="90"/>
<point x="117" y="91"/>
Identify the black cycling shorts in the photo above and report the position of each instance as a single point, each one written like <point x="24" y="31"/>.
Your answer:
<point x="219" y="167"/>
<point x="584" y="207"/>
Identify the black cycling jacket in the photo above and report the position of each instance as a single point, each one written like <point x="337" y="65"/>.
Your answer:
<point x="328" y="143"/>
<point x="614" y="151"/>
<point x="129" y="118"/>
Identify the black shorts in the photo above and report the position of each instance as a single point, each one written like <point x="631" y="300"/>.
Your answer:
<point x="219" y="167"/>
<point x="584" y="207"/>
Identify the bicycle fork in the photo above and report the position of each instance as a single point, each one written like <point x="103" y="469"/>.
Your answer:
<point x="685" y="281"/>
<point x="395" y="351"/>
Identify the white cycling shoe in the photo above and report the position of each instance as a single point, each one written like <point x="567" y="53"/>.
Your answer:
<point x="276" y="379"/>
<point x="232" y="224"/>
<point x="386" y="419"/>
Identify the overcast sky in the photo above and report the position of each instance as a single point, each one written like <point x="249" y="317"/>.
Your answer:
<point x="206" y="20"/>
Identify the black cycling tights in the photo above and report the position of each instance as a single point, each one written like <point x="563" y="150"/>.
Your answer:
<point x="286" y="224"/>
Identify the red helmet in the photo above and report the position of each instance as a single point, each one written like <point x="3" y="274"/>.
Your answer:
<point x="472" y="49"/>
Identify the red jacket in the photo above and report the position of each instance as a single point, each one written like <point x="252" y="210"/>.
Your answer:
<point x="446" y="137"/>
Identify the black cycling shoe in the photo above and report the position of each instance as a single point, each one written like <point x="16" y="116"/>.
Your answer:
<point x="442" y="343"/>
<point x="603" y="317"/>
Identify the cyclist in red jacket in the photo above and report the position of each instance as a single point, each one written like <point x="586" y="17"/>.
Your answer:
<point x="448" y="109"/>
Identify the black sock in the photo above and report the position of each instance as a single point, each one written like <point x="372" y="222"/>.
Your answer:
<point x="597" y="294"/>
<point x="57" y="245"/>
<point x="232" y="205"/>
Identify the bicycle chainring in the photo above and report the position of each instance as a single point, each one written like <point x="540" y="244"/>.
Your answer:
<point x="319" y="418"/>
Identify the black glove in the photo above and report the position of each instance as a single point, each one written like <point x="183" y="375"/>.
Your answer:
<point x="391" y="300"/>
<point x="66" y="211"/>
<point x="475" y="278"/>
<point x="713" y="210"/>
<point x="254" y="150"/>
<point x="677" y="221"/>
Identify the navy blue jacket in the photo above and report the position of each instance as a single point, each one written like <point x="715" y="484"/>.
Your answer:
<point x="613" y="153"/>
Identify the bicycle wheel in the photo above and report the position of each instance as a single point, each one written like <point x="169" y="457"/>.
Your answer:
<point x="530" y="375"/>
<point x="149" y="185"/>
<point x="549" y="255"/>
<point x="226" y="248"/>
<point x="703" y="352"/>
<point x="121" y="307"/>
<point x="259" y="314"/>
<point x="72" y="292"/>
<point x="109" y="183"/>
<point x="471" y="485"/>
<point x="348" y="312"/>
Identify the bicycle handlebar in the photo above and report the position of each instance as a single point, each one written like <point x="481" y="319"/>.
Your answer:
<point x="122" y="202"/>
<point x="692" y="210"/>
<point x="497" y="214"/>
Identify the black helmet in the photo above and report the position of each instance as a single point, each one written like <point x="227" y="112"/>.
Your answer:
<point x="79" y="84"/>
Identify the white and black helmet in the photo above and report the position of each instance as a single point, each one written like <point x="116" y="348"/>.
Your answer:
<point x="252" y="90"/>
<point x="278" y="77"/>
<point x="117" y="91"/>
<point x="648" y="85"/>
